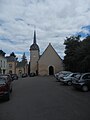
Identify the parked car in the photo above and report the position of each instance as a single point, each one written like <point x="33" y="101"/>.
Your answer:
<point x="14" y="76"/>
<point x="8" y="75"/>
<point x="57" y="74"/>
<point x="5" y="87"/>
<point x="63" y="74"/>
<point x="24" y="75"/>
<point x="69" y="78"/>
<point x="32" y="74"/>
<point x="83" y="82"/>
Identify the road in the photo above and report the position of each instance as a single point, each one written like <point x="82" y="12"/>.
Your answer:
<point x="42" y="98"/>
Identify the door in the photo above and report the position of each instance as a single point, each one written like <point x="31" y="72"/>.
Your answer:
<point x="51" y="70"/>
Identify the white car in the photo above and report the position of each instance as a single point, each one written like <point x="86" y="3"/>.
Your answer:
<point x="63" y="74"/>
<point x="69" y="78"/>
<point x="57" y="74"/>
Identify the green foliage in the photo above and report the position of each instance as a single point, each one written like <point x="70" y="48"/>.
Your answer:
<point x="77" y="58"/>
<point x="71" y="44"/>
<point x="83" y="55"/>
<point x="24" y="58"/>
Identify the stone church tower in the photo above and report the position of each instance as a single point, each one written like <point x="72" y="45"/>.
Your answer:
<point x="34" y="56"/>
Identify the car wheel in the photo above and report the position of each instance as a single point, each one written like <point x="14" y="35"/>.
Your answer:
<point x="85" y="88"/>
<point x="7" y="97"/>
<point x="69" y="83"/>
<point x="10" y="90"/>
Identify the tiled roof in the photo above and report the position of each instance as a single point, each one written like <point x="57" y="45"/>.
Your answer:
<point x="11" y="59"/>
<point x="21" y="64"/>
<point x="2" y="53"/>
<point x="34" y="47"/>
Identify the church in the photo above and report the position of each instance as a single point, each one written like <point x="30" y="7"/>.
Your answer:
<point x="48" y="63"/>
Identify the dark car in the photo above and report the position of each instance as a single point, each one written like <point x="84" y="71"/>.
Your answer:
<point x="32" y="74"/>
<point x="24" y="75"/>
<point x="5" y="87"/>
<point x="8" y="75"/>
<point x="14" y="76"/>
<point x="83" y="82"/>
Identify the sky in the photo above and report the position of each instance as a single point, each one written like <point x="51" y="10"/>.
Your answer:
<point x="53" y="20"/>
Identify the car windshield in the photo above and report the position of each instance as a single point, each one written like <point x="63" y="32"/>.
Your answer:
<point x="70" y="75"/>
<point x="66" y="74"/>
<point x="78" y="76"/>
<point x="2" y="81"/>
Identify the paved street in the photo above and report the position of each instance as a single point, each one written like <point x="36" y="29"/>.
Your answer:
<point x="42" y="98"/>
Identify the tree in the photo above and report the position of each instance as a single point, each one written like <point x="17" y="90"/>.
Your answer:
<point x="71" y="44"/>
<point x="24" y="58"/>
<point x="83" y="55"/>
<point x="77" y="58"/>
<point x="24" y="61"/>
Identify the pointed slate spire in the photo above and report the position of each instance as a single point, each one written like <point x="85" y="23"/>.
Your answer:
<point x="34" y="46"/>
<point x="34" y="41"/>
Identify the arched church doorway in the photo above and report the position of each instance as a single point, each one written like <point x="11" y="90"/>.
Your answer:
<point x="51" y="70"/>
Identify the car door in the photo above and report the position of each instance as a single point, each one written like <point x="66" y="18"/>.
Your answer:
<point x="86" y="79"/>
<point x="73" y="76"/>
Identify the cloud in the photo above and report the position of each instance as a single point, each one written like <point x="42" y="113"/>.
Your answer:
<point x="54" y="21"/>
<point x="85" y="31"/>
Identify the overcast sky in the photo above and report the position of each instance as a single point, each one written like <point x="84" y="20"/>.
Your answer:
<point x="54" y="20"/>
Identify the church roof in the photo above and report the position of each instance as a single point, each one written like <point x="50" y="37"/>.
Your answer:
<point x="50" y="46"/>
<point x="34" y="46"/>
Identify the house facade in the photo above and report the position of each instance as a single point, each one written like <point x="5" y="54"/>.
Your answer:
<point x="11" y="64"/>
<point x="21" y="68"/>
<point x="3" y="63"/>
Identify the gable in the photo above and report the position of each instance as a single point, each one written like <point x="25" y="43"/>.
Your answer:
<point x="49" y="55"/>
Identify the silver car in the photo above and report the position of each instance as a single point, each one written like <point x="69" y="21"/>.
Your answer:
<point x="63" y="74"/>
<point x="69" y="78"/>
